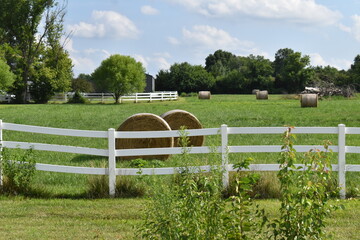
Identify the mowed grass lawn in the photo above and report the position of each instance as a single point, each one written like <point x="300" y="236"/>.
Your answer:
<point x="68" y="215"/>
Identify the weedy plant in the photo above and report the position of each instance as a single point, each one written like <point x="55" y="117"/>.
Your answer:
<point x="193" y="207"/>
<point x="304" y="193"/>
<point x="18" y="171"/>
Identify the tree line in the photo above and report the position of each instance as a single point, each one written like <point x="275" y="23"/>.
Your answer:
<point x="226" y="73"/>
<point x="33" y="62"/>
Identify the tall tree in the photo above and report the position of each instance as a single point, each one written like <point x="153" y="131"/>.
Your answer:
<point x="120" y="75"/>
<point x="291" y="72"/>
<point x="354" y="72"/>
<point x="25" y="41"/>
<point x="6" y="76"/>
<point x="184" y="77"/>
<point x="220" y="63"/>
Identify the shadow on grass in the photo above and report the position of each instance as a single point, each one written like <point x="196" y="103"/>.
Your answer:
<point x="88" y="158"/>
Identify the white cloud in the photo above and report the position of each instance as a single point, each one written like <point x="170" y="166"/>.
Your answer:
<point x="298" y="11"/>
<point x="142" y="59"/>
<point x="211" y="38"/>
<point x="149" y="10"/>
<point x="356" y="27"/>
<point x="106" y="24"/>
<point x="155" y="62"/>
<point x="68" y="45"/>
<point x="317" y="60"/>
<point x="173" y="41"/>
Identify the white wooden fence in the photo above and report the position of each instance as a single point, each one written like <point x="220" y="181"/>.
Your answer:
<point x="341" y="167"/>
<point x="108" y="97"/>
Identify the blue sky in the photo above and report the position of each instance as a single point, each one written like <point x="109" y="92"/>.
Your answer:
<point x="159" y="33"/>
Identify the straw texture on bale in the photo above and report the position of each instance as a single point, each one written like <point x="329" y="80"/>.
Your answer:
<point x="254" y="91"/>
<point x="262" y="95"/>
<point x="178" y="118"/>
<point x="204" y="95"/>
<point x="144" y="122"/>
<point x="309" y="100"/>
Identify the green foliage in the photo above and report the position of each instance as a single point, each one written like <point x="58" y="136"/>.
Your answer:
<point x="184" y="77"/>
<point x="82" y="85"/>
<point x="18" y="171"/>
<point x="78" y="98"/>
<point x="354" y="73"/>
<point x="290" y="70"/>
<point x="29" y="46"/>
<point x="192" y="206"/>
<point x="41" y="88"/>
<point x="6" y="76"/>
<point x="304" y="199"/>
<point x="120" y="75"/>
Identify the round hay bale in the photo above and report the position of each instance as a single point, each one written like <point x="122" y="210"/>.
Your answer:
<point x="178" y="118"/>
<point x="144" y="122"/>
<point x="309" y="100"/>
<point x="262" y="95"/>
<point x="204" y="95"/>
<point x="254" y="91"/>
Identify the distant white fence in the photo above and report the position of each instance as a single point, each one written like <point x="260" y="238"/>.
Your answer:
<point x="109" y="97"/>
<point x="111" y="152"/>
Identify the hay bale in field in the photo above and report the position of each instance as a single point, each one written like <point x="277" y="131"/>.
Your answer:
<point x="144" y="122"/>
<point x="254" y="91"/>
<point x="204" y="95"/>
<point x="262" y="95"/>
<point x="178" y="118"/>
<point x="309" y="100"/>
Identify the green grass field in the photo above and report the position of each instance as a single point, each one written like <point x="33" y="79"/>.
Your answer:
<point x="68" y="215"/>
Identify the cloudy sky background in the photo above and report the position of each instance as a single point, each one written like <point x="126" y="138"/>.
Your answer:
<point x="160" y="33"/>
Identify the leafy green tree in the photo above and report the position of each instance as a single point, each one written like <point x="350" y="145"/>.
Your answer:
<point x="6" y="76"/>
<point x="247" y="73"/>
<point x="354" y="72"/>
<point x="83" y="83"/>
<point x="291" y="72"/>
<point x="184" y="77"/>
<point x="120" y="75"/>
<point x="220" y="63"/>
<point x="25" y="43"/>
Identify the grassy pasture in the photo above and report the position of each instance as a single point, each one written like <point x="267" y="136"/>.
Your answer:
<point x="233" y="110"/>
<point x="67" y="215"/>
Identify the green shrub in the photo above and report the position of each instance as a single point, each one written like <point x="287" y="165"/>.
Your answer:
<point x="192" y="207"/>
<point x="18" y="171"/>
<point x="304" y="194"/>
<point x="78" y="98"/>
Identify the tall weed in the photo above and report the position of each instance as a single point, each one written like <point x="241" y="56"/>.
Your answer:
<point x="18" y="171"/>
<point x="304" y="194"/>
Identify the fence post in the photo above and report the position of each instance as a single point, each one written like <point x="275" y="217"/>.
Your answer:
<point x="1" y="148"/>
<point x="224" y="155"/>
<point x="136" y="97"/>
<point x="342" y="160"/>
<point x="112" y="162"/>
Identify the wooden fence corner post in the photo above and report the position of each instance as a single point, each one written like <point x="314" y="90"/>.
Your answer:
<point x="342" y="160"/>
<point x="112" y="162"/>
<point x="224" y="155"/>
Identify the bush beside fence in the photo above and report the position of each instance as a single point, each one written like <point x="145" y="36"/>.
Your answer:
<point x="341" y="167"/>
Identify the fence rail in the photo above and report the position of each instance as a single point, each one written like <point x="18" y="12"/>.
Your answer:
<point x="108" y="97"/>
<point x="224" y="131"/>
